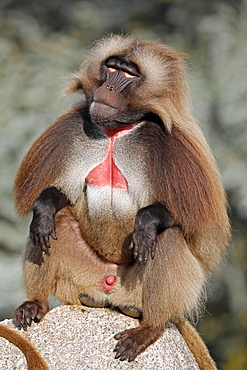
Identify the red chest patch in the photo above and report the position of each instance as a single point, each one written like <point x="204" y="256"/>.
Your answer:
<point x="107" y="173"/>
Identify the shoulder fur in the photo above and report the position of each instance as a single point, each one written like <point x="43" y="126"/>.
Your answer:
<point x="40" y="168"/>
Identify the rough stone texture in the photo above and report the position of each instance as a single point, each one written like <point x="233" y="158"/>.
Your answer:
<point x="78" y="337"/>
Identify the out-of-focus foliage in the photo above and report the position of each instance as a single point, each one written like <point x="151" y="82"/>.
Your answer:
<point x="40" y="42"/>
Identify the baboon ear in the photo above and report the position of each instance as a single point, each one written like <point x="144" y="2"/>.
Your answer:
<point x="74" y="85"/>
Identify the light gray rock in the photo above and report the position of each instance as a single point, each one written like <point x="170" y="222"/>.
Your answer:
<point x="78" y="337"/>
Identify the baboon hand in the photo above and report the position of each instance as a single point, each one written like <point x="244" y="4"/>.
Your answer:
<point x="131" y="342"/>
<point x="41" y="228"/>
<point x="29" y="311"/>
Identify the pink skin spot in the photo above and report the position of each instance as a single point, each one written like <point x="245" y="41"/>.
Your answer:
<point x="107" y="283"/>
<point x="110" y="279"/>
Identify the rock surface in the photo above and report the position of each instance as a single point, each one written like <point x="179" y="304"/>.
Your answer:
<point x="78" y="337"/>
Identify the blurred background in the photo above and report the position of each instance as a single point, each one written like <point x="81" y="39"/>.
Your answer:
<point x="42" y="41"/>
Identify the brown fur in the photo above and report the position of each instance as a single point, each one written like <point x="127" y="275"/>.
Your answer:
<point x="174" y="167"/>
<point x="34" y="360"/>
<point x="196" y="345"/>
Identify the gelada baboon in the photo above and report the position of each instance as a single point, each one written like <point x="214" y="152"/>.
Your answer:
<point x="128" y="207"/>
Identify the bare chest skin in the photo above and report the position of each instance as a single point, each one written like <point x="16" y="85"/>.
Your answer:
<point x="107" y="174"/>
<point x="113" y="193"/>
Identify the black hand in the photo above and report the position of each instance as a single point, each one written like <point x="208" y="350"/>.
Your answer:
<point x="50" y="201"/>
<point x="41" y="228"/>
<point x="149" y="222"/>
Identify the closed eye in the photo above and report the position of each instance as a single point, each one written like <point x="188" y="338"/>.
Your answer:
<point x="126" y="74"/>
<point x="111" y="70"/>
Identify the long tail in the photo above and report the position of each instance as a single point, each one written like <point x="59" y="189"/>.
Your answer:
<point x="34" y="360"/>
<point x="196" y="345"/>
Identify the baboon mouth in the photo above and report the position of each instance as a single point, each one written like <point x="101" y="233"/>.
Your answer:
<point x="103" y="103"/>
